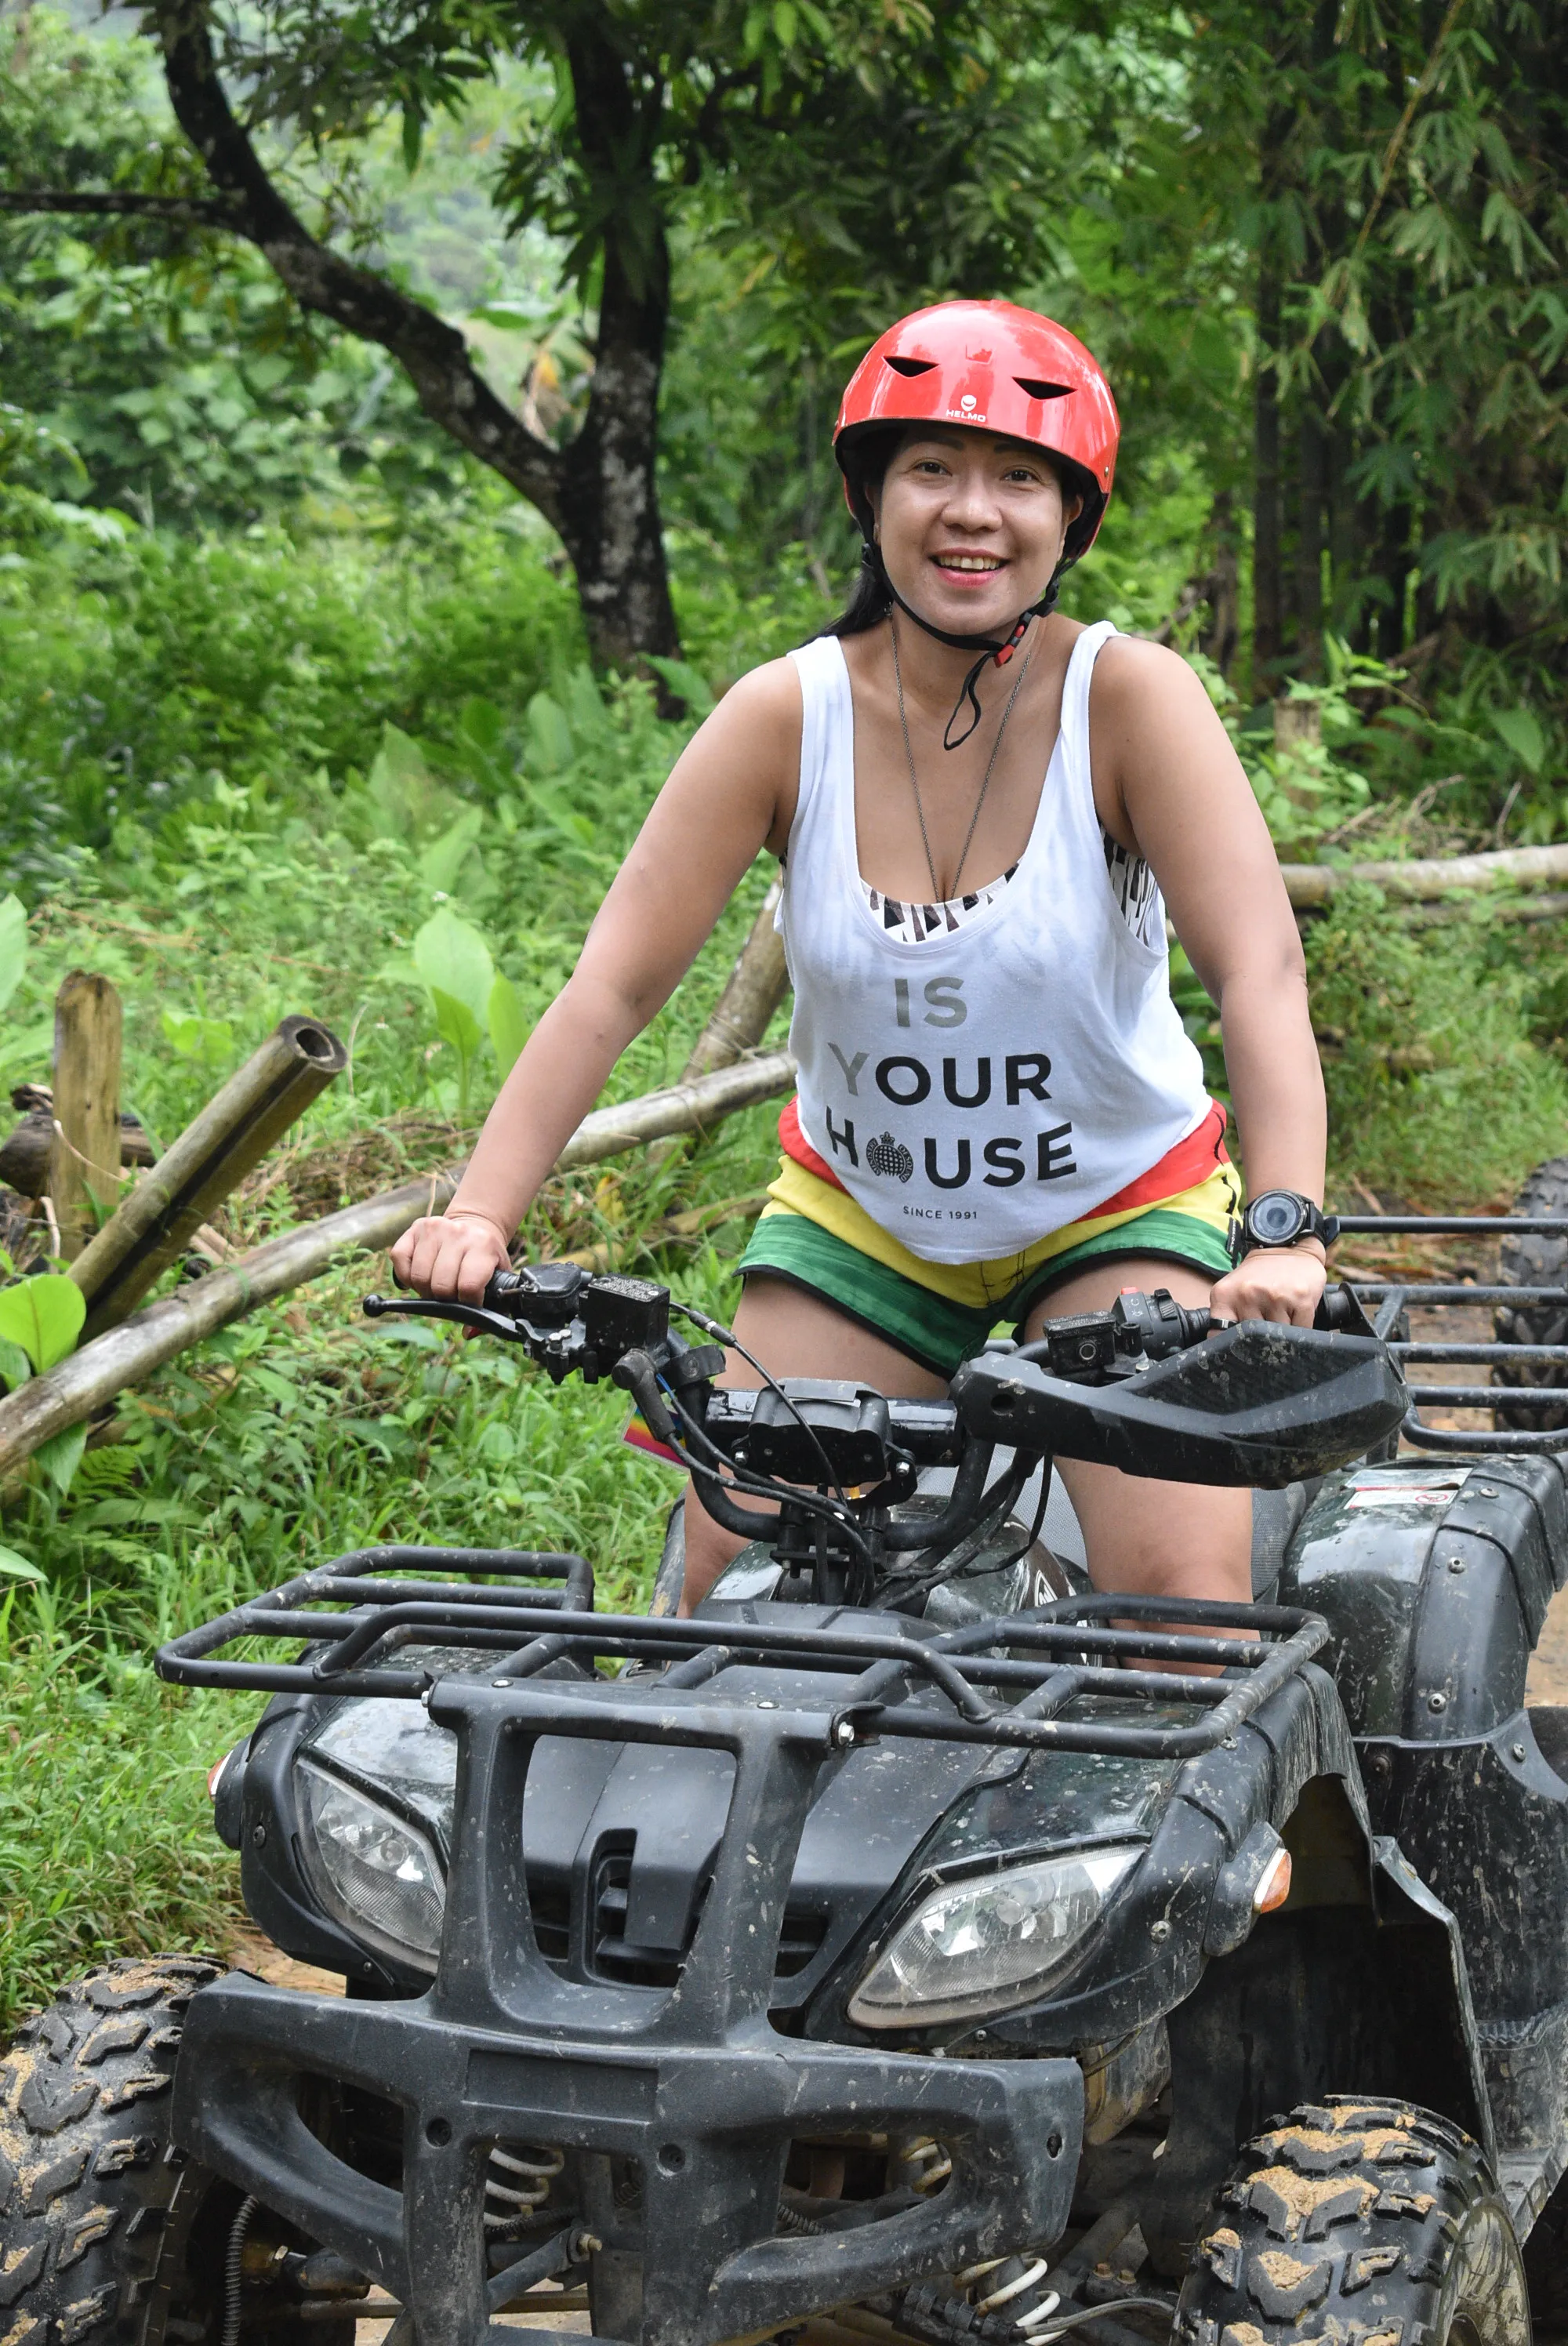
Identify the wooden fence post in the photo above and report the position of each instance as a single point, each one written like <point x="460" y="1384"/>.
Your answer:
<point x="85" y="1161"/>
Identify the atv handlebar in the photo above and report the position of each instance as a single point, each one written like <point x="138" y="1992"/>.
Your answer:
<point x="804" y="1431"/>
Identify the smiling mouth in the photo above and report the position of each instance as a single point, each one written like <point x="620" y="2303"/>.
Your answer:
<point x="981" y="566"/>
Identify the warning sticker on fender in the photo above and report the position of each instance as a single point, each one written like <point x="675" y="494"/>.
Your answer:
<point x="1409" y="1494"/>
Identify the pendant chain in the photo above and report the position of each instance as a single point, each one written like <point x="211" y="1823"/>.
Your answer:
<point x="936" y="894"/>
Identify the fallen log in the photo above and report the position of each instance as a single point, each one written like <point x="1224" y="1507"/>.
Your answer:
<point x="1551" y="905"/>
<point x="107" y="1364"/>
<point x="1424" y="879"/>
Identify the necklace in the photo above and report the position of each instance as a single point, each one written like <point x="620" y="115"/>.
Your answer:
<point x="936" y="895"/>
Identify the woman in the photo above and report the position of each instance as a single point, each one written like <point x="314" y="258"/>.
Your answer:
<point x="1000" y="1116"/>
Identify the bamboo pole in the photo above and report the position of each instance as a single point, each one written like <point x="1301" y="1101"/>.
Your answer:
<point x="686" y="1107"/>
<point x="131" y="1351"/>
<point x="1423" y="878"/>
<point x="196" y="1172"/>
<point x="85" y="1158"/>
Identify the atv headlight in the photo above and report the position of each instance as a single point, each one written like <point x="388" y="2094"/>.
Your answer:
<point x="982" y="1945"/>
<point x="373" y="1871"/>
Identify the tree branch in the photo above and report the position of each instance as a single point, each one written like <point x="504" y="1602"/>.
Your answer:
<point x="433" y="354"/>
<point x="192" y="211"/>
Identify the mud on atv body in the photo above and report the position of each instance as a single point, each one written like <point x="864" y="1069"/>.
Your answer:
<point x="640" y="2043"/>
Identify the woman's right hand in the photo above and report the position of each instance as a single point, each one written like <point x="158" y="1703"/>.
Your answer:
<point x="450" y="1256"/>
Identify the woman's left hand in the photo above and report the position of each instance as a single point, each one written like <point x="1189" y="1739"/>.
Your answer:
<point x="1280" y="1283"/>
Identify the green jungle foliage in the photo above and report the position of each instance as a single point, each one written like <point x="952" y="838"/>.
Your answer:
<point x="288" y="686"/>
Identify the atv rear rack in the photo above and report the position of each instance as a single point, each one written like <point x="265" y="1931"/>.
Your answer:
<point x="930" y="1688"/>
<point x="1392" y="1297"/>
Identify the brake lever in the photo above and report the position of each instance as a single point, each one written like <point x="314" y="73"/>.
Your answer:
<point x="462" y="1315"/>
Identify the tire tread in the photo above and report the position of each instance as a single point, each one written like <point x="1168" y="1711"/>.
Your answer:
<point x="1339" y="2224"/>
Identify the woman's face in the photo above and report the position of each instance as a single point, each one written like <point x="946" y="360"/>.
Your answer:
<point x="971" y="526"/>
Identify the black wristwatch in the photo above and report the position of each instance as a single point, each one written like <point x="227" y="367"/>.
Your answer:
<point x="1282" y="1217"/>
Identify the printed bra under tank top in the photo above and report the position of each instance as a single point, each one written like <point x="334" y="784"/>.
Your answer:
<point x="976" y="1093"/>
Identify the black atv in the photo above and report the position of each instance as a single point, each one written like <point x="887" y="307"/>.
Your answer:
<point x="914" y="1934"/>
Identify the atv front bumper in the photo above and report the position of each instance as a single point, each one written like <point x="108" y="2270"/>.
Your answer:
<point x="709" y="2127"/>
<point x="694" y="2084"/>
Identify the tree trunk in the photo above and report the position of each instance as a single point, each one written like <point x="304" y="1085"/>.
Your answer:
<point x="608" y="514"/>
<point x="600" y="493"/>
<point x="1220" y="633"/>
<point x="1313" y="462"/>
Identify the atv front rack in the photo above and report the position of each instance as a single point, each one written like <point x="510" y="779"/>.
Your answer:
<point x="1393" y="1297"/>
<point x="1009" y="1680"/>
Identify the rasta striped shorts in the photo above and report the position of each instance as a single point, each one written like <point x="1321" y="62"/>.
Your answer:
<point x="815" y="1235"/>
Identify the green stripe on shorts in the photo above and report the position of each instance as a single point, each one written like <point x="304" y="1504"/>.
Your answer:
<point x="937" y="1333"/>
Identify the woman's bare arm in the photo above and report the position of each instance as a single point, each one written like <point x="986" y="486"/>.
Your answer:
<point x="731" y="792"/>
<point x="1171" y="787"/>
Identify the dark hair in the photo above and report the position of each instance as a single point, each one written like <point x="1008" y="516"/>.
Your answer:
<point x="868" y="459"/>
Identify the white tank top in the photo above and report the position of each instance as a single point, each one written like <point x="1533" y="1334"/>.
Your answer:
<point x="976" y="1093"/>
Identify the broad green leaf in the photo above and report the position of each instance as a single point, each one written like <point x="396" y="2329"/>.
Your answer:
<point x="61" y="1455"/>
<point x="1520" y="728"/>
<point x="17" y="1567"/>
<point x="44" y="1316"/>
<point x="508" y="1025"/>
<point x="550" y="743"/>
<point x="401" y="786"/>
<point x="482" y="723"/>
<point x="683" y="679"/>
<point x="455" y="1022"/>
<point x="442" y="859"/>
<point x="15" y="1368"/>
<point x="13" y="945"/>
<point x="452" y="955"/>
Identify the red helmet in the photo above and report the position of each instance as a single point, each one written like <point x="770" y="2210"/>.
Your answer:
<point x="996" y="368"/>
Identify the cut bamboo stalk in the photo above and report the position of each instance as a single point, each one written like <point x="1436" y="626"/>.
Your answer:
<point x="84" y="1160"/>
<point x="1423" y="878"/>
<point x="126" y="1354"/>
<point x="211" y="1158"/>
<point x="107" y="1364"/>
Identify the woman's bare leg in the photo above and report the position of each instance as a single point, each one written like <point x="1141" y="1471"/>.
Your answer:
<point x="1147" y="1538"/>
<point x="795" y="1334"/>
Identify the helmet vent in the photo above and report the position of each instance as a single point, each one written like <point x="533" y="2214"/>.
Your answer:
<point x="1038" y="390"/>
<point x="912" y="366"/>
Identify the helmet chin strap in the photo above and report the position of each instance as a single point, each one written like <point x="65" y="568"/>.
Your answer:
<point x="992" y="649"/>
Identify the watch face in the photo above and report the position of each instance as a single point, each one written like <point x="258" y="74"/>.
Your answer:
<point x="1276" y="1217"/>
